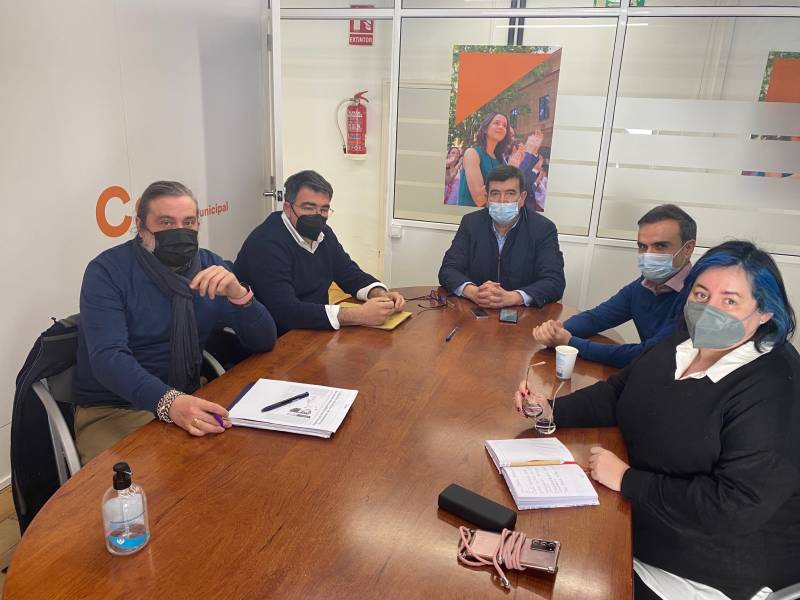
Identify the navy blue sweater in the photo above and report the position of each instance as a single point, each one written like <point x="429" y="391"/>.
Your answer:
<point x="655" y="318"/>
<point x="531" y="260"/>
<point x="123" y="346"/>
<point x="291" y="281"/>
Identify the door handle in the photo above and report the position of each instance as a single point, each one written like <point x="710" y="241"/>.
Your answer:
<point x="276" y="195"/>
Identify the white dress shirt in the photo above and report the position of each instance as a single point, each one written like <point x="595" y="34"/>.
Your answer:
<point x="331" y="310"/>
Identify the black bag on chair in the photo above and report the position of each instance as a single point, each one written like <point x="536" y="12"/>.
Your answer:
<point x="34" y="477"/>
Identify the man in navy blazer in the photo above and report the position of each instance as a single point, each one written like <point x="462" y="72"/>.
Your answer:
<point x="505" y="254"/>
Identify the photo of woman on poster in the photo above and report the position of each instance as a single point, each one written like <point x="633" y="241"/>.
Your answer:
<point x="491" y="142"/>
<point x="452" y="175"/>
<point x="502" y="111"/>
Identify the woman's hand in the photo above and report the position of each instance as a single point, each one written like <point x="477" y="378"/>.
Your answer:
<point x="530" y="401"/>
<point x="607" y="468"/>
<point x="515" y="159"/>
<point x="534" y="142"/>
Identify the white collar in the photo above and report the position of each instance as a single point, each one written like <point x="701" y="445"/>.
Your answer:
<point x="738" y="357"/>
<point x="310" y="246"/>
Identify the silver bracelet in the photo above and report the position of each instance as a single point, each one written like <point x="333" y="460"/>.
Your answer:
<point x="165" y="404"/>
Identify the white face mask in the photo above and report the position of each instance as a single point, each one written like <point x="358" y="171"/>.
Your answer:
<point x="658" y="267"/>
<point x="503" y="213"/>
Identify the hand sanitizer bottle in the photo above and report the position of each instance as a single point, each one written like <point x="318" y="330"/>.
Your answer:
<point x="125" y="514"/>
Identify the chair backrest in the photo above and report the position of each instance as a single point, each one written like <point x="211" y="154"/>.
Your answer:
<point x="60" y="385"/>
<point x="34" y="472"/>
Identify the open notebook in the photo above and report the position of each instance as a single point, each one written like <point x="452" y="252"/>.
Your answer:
<point x="391" y="321"/>
<point x="319" y="414"/>
<point x="541" y="473"/>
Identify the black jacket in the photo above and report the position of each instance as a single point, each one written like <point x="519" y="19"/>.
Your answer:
<point x="34" y="477"/>
<point x="531" y="260"/>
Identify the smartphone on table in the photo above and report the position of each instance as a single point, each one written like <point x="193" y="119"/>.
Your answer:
<point x="479" y="313"/>
<point x="508" y="315"/>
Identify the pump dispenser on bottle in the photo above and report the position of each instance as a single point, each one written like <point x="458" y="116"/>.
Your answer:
<point x="125" y="514"/>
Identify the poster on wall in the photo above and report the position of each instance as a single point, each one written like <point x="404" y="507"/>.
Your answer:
<point x="781" y="83"/>
<point x="502" y="109"/>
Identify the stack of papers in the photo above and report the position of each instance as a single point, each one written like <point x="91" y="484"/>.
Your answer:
<point x="541" y="473"/>
<point x="319" y="414"/>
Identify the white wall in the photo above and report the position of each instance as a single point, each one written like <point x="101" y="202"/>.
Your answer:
<point x="98" y="93"/>
<point x="320" y="70"/>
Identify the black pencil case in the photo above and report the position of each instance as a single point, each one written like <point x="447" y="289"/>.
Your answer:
<point x="472" y="507"/>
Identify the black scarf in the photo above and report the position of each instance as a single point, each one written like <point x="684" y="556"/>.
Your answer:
<point x="184" y="342"/>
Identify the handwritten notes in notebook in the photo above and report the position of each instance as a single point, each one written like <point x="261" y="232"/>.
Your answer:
<point x="545" y="485"/>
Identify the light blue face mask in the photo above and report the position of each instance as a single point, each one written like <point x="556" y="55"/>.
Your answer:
<point x="503" y="213"/>
<point x="658" y="267"/>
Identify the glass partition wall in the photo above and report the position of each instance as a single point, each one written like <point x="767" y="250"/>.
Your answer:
<point x="657" y="101"/>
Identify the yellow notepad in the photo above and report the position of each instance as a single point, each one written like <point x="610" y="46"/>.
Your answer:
<point x="336" y="295"/>
<point x="389" y="324"/>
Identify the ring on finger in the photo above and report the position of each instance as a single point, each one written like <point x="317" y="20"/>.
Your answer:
<point x="195" y="422"/>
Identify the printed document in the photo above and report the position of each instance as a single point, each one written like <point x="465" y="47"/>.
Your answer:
<point x="319" y="414"/>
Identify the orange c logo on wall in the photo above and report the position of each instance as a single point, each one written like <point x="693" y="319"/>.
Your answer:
<point x="108" y="194"/>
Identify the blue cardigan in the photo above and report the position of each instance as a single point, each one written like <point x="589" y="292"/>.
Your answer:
<point x="531" y="260"/>
<point x="655" y="318"/>
<point x="123" y="346"/>
<point x="291" y="281"/>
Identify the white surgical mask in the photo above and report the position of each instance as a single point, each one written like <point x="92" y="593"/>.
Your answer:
<point x="503" y="213"/>
<point x="658" y="267"/>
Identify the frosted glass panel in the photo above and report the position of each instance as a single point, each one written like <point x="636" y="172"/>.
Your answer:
<point x="702" y="122"/>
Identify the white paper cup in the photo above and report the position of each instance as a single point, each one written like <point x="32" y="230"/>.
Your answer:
<point x="565" y="361"/>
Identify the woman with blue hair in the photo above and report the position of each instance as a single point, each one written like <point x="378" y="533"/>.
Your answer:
<point x="711" y="421"/>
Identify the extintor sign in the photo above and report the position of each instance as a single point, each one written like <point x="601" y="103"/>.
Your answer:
<point x="361" y="30"/>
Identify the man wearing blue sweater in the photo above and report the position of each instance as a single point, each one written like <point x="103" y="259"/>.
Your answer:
<point x="292" y="258"/>
<point x="147" y="309"/>
<point x="654" y="301"/>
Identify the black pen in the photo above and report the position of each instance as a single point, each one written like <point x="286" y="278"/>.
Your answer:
<point x="284" y="402"/>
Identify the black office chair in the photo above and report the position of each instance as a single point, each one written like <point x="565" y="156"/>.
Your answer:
<point x="41" y="462"/>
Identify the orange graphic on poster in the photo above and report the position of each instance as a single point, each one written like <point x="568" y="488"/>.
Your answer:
<point x="482" y="76"/>
<point x="781" y="83"/>
<point x="784" y="82"/>
<point x="106" y="196"/>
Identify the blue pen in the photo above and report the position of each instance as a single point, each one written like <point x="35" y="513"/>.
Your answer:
<point x="451" y="334"/>
<point x="219" y="420"/>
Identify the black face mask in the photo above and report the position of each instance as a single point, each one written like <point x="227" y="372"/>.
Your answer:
<point x="175" y="247"/>
<point x="309" y="226"/>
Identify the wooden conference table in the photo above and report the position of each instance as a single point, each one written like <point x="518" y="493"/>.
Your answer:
<point x="261" y="514"/>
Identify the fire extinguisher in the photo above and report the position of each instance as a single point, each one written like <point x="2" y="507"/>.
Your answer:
<point x="354" y="143"/>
